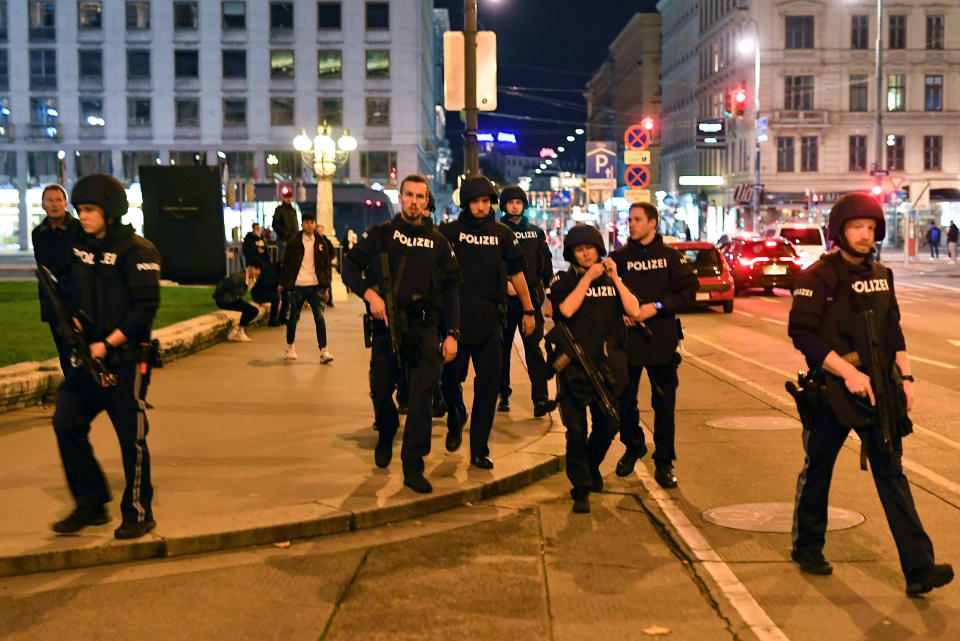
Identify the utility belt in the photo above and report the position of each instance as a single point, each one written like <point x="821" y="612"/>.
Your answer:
<point x="413" y="317"/>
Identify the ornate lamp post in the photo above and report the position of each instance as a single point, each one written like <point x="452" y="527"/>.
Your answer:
<point x="326" y="156"/>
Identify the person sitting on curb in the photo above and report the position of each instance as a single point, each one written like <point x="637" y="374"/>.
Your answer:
<point x="305" y="276"/>
<point x="229" y="294"/>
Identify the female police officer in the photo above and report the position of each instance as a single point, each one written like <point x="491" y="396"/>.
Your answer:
<point x="827" y="324"/>
<point x="590" y="300"/>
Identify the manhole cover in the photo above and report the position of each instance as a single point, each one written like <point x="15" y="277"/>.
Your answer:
<point x="774" y="517"/>
<point x="754" y="423"/>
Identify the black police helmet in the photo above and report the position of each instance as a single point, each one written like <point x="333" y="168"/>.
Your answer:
<point x="473" y="188"/>
<point x="102" y="190"/>
<point x="582" y="234"/>
<point x="513" y="192"/>
<point x="856" y="205"/>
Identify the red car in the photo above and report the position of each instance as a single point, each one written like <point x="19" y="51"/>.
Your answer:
<point x="716" y="281"/>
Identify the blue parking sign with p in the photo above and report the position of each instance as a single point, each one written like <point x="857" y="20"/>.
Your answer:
<point x="601" y="159"/>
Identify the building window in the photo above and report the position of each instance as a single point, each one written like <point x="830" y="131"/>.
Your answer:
<point x="186" y="16"/>
<point x="934" y="32"/>
<point x="281" y="112"/>
<point x="89" y="15"/>
<point x="784" y="154"/>
<point x="281" y="15"/>
<point x="329" y="63"/>
<point x="91" y="112"/>
<point x="858" y="153"/>
<point x="809" y="152"/>
<point x="378" y="15"/>
<point x="42" y="21"/>
<point x="378" y="63"/>
<point x="328" y="15"/>
<point x="235" y="112"/>
<point x="283" y="165"/>
<point x="138" y="16"/>
<point x="187" y="111"/>
<point x="186" y="63"/>
<point x="138" y="112"/>
<point x="91" y="63"/>
<point x="798" y="92"/>
<point x="799" y="32"/>
<point x="234" y="15"/>
<point x="92" y="162"/>
<point x="933" y="93"/>
<point x="932" y="152"/>
<point x="281" y="63"/>
<point x="43" y="69"/>
<point x="234" y="63"/>
<point x="896" y="92"/>
<point x="330" y="110"/>
<point x="4" y="79"/>
<point x="133" y="160"/>
<point x="3" y="20"/>
<point x="859" y="32"/>
<point x="239" y="164"/>
<point x="378" y="166"/>
<point x="898" y="32"/>
<point x="858" y="92"/>
<point x="895" y="153"/>
<point x="138" y="64"/>
<point x="378" y="112"/>
<point x="42" y="167"/>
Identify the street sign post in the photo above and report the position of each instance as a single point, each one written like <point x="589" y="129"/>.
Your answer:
<point x="560" y="199"/>
<point x="636" y="137"/>
<point x="762" y="129"/>
<point x="637" y="195"/>
<point x="637" y="176"/>
<point x="601" y="165"/>
<point x="636" y="157"/>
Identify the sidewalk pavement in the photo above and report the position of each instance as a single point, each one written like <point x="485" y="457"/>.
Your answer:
<point x="247" y="448"/>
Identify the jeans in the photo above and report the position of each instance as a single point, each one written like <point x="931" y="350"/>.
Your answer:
<point x="298" y="297"/>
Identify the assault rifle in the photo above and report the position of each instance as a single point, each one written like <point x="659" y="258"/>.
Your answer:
<point x="72" y="335"/>
<point x="885" y="417"/>
<point x="567" y="351"/>
<point x="389" y="295"/>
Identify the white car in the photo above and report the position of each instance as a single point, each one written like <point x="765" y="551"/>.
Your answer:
<point x="806" y="238"/>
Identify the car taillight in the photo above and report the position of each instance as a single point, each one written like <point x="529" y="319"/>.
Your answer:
<point x="749" y="262"/>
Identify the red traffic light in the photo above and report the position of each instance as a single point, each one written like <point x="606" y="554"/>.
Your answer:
<point x="647" y="123"/>
<point x="876" y="190"/>
<point x="740" y="96"/>
<point x="285" y="190"/>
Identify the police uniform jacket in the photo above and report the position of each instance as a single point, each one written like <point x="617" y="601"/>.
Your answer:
<point x="431" y="275"/>
<point x="829" y="300"/>
<point x="285" y="221"/>
<point x="53" y="249"/>
<point x="293" y="257"/>
<point x="115" y="283"/>
<point x="656" y="274"/>
<point x="488" y="252"/>
<point x="539" y="269"/>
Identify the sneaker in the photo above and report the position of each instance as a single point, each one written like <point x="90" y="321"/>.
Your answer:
<point x="290" y="353"/>
<point x="629" y="460"/>
<point x="934" y="576"/>
<point x="543" y="408"/>
<point x="133" y="529"/>
<point x="242" y="336"/>
<point x="325" y="356"/>
<point x="811" y="561"/>
<point x="581" y="500"/>
<point x="81" y="518"/>
<point x="234" y="335"/>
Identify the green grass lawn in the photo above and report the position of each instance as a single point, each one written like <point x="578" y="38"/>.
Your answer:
<point x="24" y="337"/>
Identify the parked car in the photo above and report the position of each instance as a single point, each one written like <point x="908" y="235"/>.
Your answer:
<point x="806" y="238"/>
<point x="716" y="281"/>
<point x="764" y="263"/>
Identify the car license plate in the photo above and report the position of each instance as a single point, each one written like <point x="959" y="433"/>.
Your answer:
<point x="775" y="270"/>
<point x="703" y="295"/>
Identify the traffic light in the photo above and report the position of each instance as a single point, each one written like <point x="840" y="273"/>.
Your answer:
<point x="647" y="123"/>
<point x="739" y="102"/>
<point x="877" y="191"/>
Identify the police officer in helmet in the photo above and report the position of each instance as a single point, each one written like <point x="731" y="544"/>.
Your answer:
<point x="827" y="323"/>
<point x="115" y="289"/>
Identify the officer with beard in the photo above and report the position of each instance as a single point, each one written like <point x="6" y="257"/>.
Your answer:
<point x="539" y="271"/>
<point x="489" y="254"/>
<point x="426" y="282"/>
<point x="664" y="282"/>
<point x="827" y="324"/>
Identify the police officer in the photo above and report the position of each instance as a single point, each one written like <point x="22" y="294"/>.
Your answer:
<point x="827" y="325"/>
<point x="539" y="271"/>
<point x="664" y="282"/>
<point x="489" y="254"/>
<point x="53" y="242"/>
<point x="115" y="288"/>
<point x="592" y="301"/>
<point x="427" y="294"/>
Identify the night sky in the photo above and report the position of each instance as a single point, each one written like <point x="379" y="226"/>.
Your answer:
<point x="547" y="50"/>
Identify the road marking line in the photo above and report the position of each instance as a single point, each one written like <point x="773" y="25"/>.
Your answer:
<point x="732" y="587"/>
<point x="789" y="375"/>
<point x="903" y="313"/>
<point x="922" y="470"/>
<point x="944" y="287"/>
<point x="932" y="362"/>
<point x="737" y="311"/>
<point x="773" y="320"/>
<point x="953" y="342"/>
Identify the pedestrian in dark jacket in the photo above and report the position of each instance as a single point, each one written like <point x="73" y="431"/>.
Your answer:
<point x="53" y="241"/>
<point x="933" y="239"/>
<point x="305" y="276"/>
<point x="229" y="295"/>
<point x="952" y="233"/>
<point x="254" y="246"/>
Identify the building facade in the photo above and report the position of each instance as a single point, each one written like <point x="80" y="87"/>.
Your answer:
<point x="818" y="96"/>
<point x="110" y="85"/>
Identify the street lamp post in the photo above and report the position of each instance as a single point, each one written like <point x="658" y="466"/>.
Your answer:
<point x="326" y="156"/>
<point x="755" y="203"/>
<point x="471" y="149"/>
